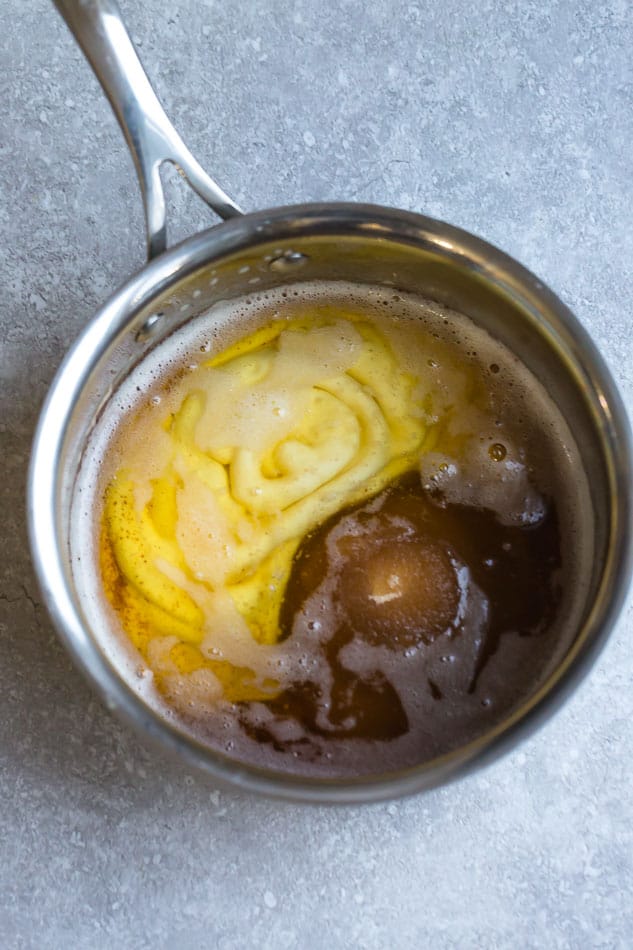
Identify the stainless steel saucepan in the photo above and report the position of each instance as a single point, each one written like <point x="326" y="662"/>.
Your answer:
<point x="354" y="242"/>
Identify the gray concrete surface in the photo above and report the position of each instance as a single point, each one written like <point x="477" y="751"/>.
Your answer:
<point x="512" y="119"/>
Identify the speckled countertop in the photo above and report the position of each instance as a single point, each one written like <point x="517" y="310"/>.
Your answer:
<point x="512" y="119"/>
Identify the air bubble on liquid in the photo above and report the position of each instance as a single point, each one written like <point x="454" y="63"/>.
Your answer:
<point x="497" y="452"/>
<point x="288" y="261"/>
<point x="149" y="328"/>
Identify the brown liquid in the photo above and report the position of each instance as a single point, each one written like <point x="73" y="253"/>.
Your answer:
<point x="408" y="546"/>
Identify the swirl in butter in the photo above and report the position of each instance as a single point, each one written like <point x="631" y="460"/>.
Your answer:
<point x="224" y="474"/>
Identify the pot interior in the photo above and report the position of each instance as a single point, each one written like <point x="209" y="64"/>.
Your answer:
<point x="366" y="246"/>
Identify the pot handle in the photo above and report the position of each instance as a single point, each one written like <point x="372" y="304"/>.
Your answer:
<point x="100" y="32"/>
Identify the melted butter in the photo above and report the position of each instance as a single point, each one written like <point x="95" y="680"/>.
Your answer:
<point x="245" y="455"/>
<point x="332" y="546"/>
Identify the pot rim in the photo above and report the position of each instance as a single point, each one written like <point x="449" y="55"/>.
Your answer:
<point x="168" y="270"/>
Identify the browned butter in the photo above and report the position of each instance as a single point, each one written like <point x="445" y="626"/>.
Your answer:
<point x="332" y="529"/>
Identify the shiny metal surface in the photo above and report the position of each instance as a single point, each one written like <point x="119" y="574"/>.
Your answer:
<point x="99" y="30"/>
<point x="360" y="243"/>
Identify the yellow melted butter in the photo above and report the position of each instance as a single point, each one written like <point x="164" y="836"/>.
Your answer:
<point x="247" y="453"/>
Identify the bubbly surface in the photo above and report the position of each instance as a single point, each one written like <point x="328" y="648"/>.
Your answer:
<point x="329" y="525"/>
